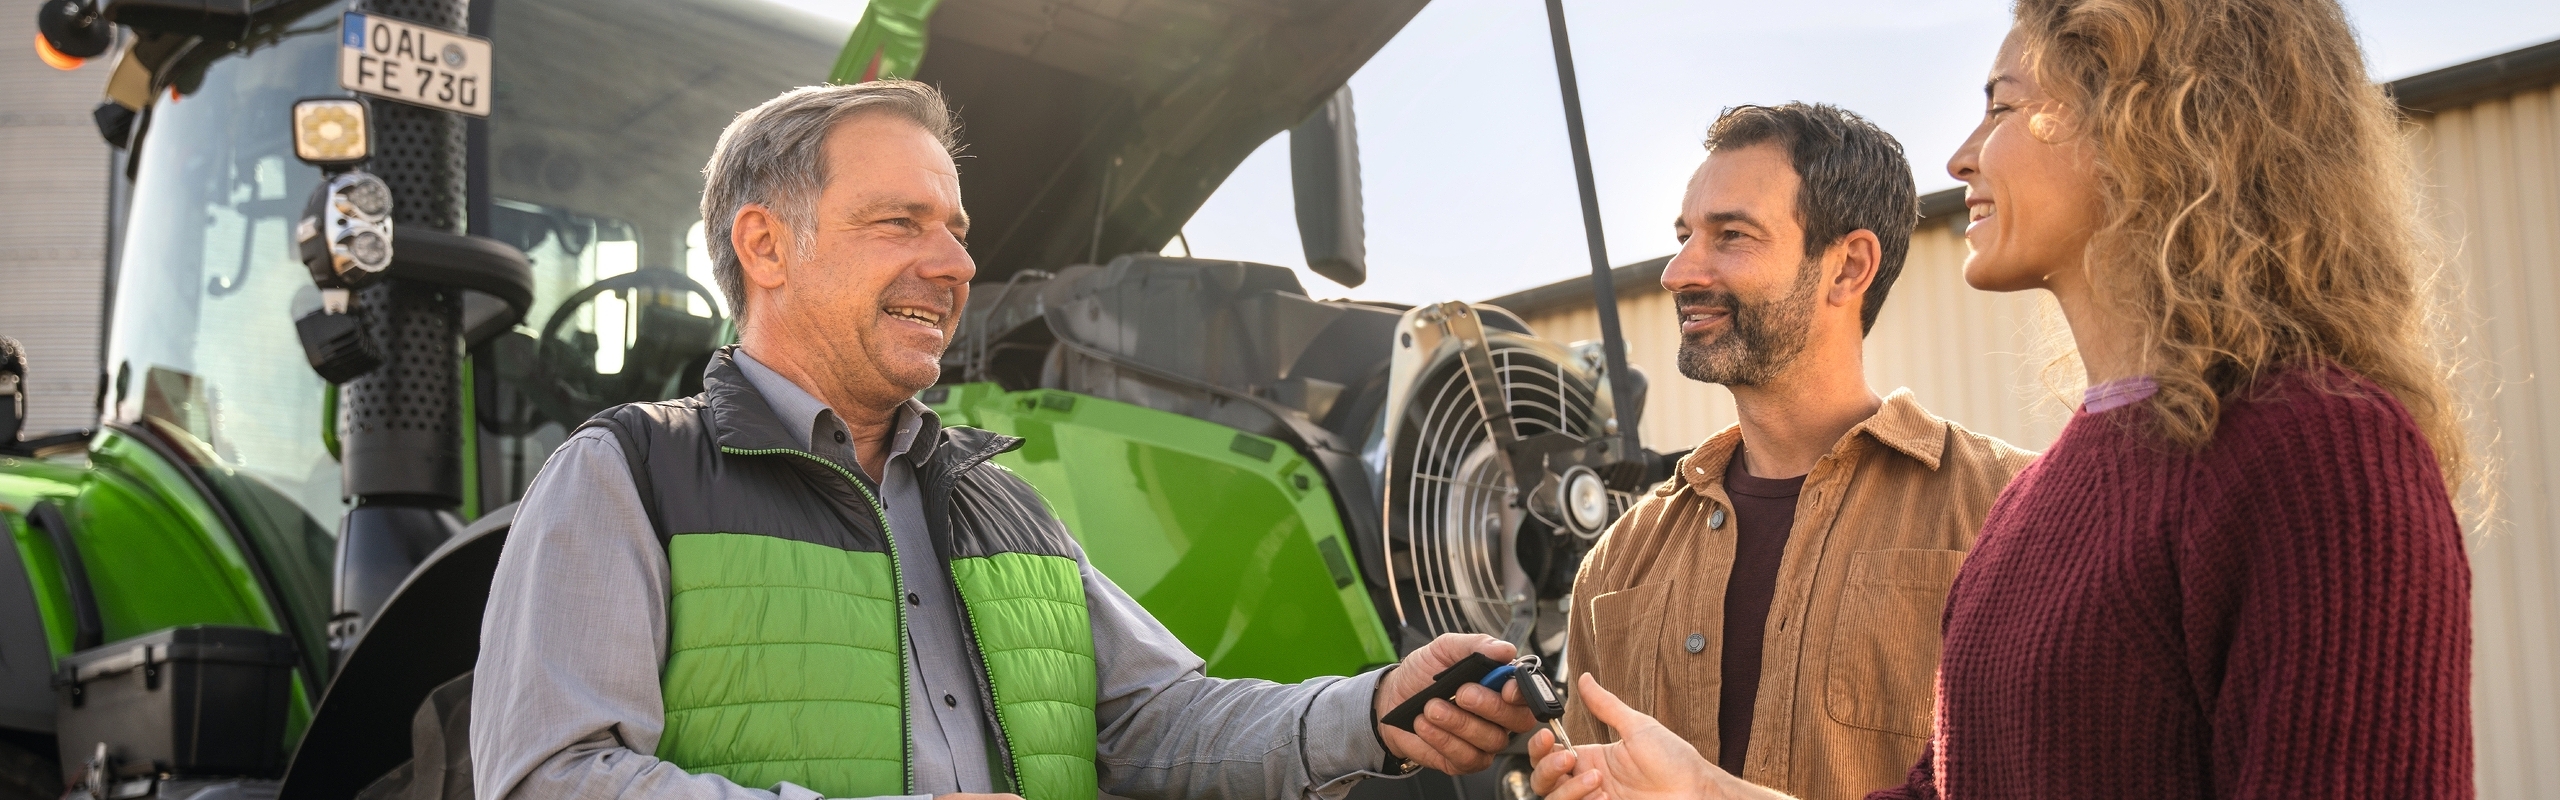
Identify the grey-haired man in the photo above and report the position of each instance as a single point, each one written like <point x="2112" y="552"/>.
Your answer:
<point x="799" y="584"/>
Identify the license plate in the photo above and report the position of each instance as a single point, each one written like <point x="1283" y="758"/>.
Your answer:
<point x="413" y="63"/>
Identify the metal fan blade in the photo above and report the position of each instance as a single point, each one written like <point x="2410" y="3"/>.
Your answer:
<point x="1476" y="356"/>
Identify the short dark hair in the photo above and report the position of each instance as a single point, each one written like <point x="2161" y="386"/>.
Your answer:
<point x="1852" y="177"/>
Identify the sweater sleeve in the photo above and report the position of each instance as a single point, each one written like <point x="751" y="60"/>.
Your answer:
<point x="2326" y="605"/>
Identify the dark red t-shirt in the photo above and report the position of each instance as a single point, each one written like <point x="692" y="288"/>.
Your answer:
<point x="1763" y="511"/>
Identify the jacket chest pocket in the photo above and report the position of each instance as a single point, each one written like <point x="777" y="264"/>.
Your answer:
<point x="1626" y="629"/>
<point x="1883" y="661"/>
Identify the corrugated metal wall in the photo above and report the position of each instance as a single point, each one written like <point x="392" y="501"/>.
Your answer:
<point x="2494" y="171"/>
<point x="53" y="201"/>
<point x="2493" y="174"/>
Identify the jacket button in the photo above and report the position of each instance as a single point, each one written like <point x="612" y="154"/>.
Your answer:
<point x="1697" y="642"/>
<point x="913" y="600"/>
<point x="951" y="701"/>
<point x="1715" y="522"/>
<point x="840" y="437"/>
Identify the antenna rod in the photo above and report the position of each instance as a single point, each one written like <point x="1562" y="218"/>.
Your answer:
<point x="1604" y="290"/>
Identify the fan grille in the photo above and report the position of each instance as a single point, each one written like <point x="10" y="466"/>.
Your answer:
<point x="1457" y="522"/>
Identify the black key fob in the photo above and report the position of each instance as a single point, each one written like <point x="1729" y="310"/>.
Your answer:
<point x="1544" y="701"/>
<point x="1444" y="686"/>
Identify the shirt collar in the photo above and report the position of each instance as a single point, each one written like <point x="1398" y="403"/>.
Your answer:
<point x="1900" y="424"/>
<point x="1904" y="426"/>
<point x="804" y="415"/>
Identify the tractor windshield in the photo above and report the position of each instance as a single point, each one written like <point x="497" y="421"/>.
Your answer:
<point x="201" y="345"/>
<point x="603" y="114"/>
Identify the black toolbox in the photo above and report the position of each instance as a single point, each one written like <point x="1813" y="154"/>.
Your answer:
<point x="201" y="700"/>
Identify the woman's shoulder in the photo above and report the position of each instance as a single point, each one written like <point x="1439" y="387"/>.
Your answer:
<point x="2315" y="398"/>
<point x="2320" y="419"/>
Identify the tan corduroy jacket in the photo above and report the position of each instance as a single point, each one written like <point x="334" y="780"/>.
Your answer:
<point x="1848" y="666"/>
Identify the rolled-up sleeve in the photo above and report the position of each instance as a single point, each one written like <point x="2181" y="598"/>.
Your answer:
<point x="1170" y="732"/>
<point x="565" y="701"/>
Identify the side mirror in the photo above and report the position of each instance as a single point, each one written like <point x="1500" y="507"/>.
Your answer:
<point x="75" y="28"/>
<point x="1324" y="174"/>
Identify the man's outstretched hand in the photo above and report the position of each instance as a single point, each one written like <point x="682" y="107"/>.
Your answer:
<point x="1454" y="738"/>
<point x="1648" y="762"/>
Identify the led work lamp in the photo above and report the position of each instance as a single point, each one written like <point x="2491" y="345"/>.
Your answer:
<point x="344" y="235"/>
<point x="330" y="132"/>
<point x="346" y="232"/>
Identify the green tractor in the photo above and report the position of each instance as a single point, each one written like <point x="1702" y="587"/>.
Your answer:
<point x="373" y="260"/>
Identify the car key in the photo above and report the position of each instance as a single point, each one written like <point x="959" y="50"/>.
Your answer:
<point x="1545" y="703"/>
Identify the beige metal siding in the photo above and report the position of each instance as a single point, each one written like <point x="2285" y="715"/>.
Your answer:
<point x="2493" y="170"/>
<point x="52" y="224"/>
<point x="2493" y="181"/>
<point x="1971" y="356"/>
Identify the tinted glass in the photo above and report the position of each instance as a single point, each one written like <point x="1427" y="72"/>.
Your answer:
<point x="202" y="345"/>
<point x="604" y="114"/>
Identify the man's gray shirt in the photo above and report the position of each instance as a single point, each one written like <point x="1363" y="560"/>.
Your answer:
<point x="566" y="702"/>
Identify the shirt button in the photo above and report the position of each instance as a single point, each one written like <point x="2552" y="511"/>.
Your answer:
<point x="1715" y="522"/>
<point x="951" y="701"/>
<point x="913" y="600"/>
<point x="1697" y="642"/>
<point x="840" y="437"/>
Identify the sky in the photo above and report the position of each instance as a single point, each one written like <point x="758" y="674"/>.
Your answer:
<point x="1468" y="182"/>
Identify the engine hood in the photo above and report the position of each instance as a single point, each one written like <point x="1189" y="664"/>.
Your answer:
<point x="1129" y="112"/>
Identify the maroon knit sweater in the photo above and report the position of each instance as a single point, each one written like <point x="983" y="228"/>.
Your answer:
<point x="2284" y="614"/>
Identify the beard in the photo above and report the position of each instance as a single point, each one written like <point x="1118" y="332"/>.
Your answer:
<point x="1761" y="338"/>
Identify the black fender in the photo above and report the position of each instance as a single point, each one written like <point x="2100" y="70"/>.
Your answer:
<point x="426" y="635"/>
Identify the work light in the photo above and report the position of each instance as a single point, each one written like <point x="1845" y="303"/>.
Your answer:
<point x="330" y="132"/>
<point x="346" y="234"/>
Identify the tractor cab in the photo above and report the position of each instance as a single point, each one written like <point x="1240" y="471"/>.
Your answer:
<point x="220" y="485"/>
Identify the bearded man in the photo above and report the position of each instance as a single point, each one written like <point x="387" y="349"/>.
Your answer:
<point x="1776" y="602"/>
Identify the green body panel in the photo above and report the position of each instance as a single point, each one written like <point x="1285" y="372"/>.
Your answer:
<point x="24" y="482"/>
<point x="1029" y="616"/>
<point x="1220" y="534"/>
<point x="157" y="553"/>
<point x="783" y="664"/>
<point x="887" y="43"/>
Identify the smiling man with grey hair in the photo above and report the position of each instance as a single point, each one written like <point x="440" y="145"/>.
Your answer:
<point x="799" y="584"/>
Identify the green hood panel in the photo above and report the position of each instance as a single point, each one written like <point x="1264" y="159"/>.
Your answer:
<point x="1223" y="536"/>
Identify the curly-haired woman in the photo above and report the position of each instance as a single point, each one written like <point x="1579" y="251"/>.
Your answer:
<point x="2238" y="572"/>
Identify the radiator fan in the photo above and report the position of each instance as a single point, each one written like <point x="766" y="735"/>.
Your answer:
<point x="1495" y="443"/>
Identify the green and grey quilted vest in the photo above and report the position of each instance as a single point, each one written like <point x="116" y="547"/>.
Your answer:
<point x="785" y="637"/>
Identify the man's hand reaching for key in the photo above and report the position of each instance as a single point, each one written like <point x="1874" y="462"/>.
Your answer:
<point x="1459" y="737"/>
<point x="1648" y="762"/>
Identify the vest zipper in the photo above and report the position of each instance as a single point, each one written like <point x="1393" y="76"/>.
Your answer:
<point x="897" y="584"/>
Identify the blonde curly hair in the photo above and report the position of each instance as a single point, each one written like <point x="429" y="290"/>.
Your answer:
<point x="2259" y="209"/>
